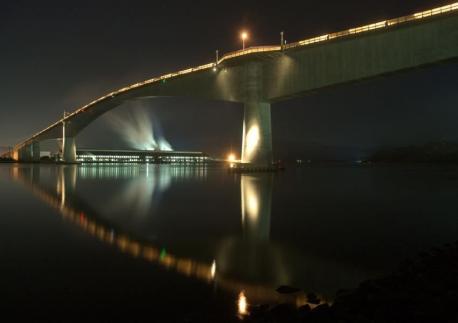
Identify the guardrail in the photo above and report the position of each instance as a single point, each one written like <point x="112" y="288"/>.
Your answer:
<point x="251" y="50"/>
<point x="377" y="25"/>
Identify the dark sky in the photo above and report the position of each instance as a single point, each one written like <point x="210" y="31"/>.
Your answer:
<point x="59" y="55"/>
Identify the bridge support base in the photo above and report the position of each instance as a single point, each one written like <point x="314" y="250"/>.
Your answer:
<point x="23" y="154"/>
<point x="69" y="150"/>
<point x="35" y="151"/>
<point x="257" y="134"/>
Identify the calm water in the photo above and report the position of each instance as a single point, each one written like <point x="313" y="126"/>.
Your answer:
<point x="173" y="243"/>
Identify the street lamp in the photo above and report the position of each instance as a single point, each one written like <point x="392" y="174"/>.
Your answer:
<point x="244" y="36"/>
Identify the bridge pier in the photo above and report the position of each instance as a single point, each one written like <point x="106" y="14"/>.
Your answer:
<point x="257" y="134"/>
<point x="68" y="146"/>
<point x="257" y="129"/>
<point x="69" y="150"/>
<point x="24" y="154"/>
<point x="35" y="151"/>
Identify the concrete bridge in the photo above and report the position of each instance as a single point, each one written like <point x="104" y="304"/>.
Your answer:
<point x="260" y="76"/>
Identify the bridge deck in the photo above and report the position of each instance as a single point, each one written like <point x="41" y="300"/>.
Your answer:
<point x="115" y="98"/>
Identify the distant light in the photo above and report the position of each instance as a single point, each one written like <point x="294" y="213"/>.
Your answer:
<point x="214" y="69"/>
<point x="231" y="158"/>
<point x="243" y="36"/>
<point x="242" y="304"/>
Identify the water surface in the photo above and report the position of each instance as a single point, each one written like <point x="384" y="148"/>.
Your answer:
<point x="182" y="243"/>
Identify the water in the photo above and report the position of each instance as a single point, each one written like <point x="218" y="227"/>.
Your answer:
<point x="173" y="243"/>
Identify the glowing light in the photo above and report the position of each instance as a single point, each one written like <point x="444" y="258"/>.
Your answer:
<point x="252" y="204"/>
<point x="213" y="269"/>
<point x="251" y="142"/>
<point x="242" y="304"/>
<point x="231" y="158"/>
<point x="243" y="36"/>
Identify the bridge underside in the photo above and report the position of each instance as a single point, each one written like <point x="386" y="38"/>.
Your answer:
<point x="257" y="80"/>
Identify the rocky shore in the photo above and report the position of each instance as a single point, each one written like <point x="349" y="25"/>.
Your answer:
<point x="420" y="290"/>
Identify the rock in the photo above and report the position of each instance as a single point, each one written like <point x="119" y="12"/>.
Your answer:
<point x="322" y="308"/>
<point x="312" y="298"/>
<point x="304" y="309"/>
<point x="284" y="313"/>
<point x="259" y="311"/>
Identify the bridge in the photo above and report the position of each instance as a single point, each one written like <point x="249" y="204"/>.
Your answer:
<point x="259" y="76"/>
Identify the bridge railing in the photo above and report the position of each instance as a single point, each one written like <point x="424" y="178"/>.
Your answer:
<point x="251" y="50"/>
<point x="375" y="26"/>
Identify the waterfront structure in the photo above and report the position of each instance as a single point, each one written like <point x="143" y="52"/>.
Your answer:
<point x="140" y="156"/>
<point x="259" y="76"/>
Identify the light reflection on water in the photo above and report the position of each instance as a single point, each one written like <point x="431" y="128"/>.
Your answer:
<point x="242" y="305"/>
<point x="137" y="194"/>
<point x="252" y="259"/>
<point x="66" y="182"/>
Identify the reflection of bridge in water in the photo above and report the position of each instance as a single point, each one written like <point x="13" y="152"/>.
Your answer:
<point x="250" y="263"/>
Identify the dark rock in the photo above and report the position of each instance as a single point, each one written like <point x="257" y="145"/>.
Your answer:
<point x="312" y="298"/>
<point x="304" y="309"/>
<point x="284" y="313"/>
<point x="322" y="308"/>
<point x="259" y="313"/>
<point x="322" y="314"/>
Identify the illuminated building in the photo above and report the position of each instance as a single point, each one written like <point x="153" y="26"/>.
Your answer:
<point x="141" y="156"/>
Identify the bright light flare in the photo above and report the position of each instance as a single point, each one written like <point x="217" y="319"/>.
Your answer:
<point x="242" y="304"/>
<point x="252" y="200"/>
<point x="213" y="269"/>
<point x="231" y="158"/>
<point x="244" y="37"/>
<point x="252" y="140"/>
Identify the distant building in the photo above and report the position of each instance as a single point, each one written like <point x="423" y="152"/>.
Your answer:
<point x="140" y="156"/>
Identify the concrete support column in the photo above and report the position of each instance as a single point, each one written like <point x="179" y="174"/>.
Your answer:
<point x="257" y="129"/>
<point x="68" y="146"/>
<point x="25" y="153"/>
<point x="69" y="150"/>
<point x="36" y="151"/>
<point x="257" y="134"/>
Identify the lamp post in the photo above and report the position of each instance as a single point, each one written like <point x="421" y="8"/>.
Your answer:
<point x="244" y="36"/>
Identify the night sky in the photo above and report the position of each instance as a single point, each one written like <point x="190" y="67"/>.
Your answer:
<point x="59" y="55"/>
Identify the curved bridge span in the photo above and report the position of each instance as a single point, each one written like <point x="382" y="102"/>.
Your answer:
<point x="259" y="76"/>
